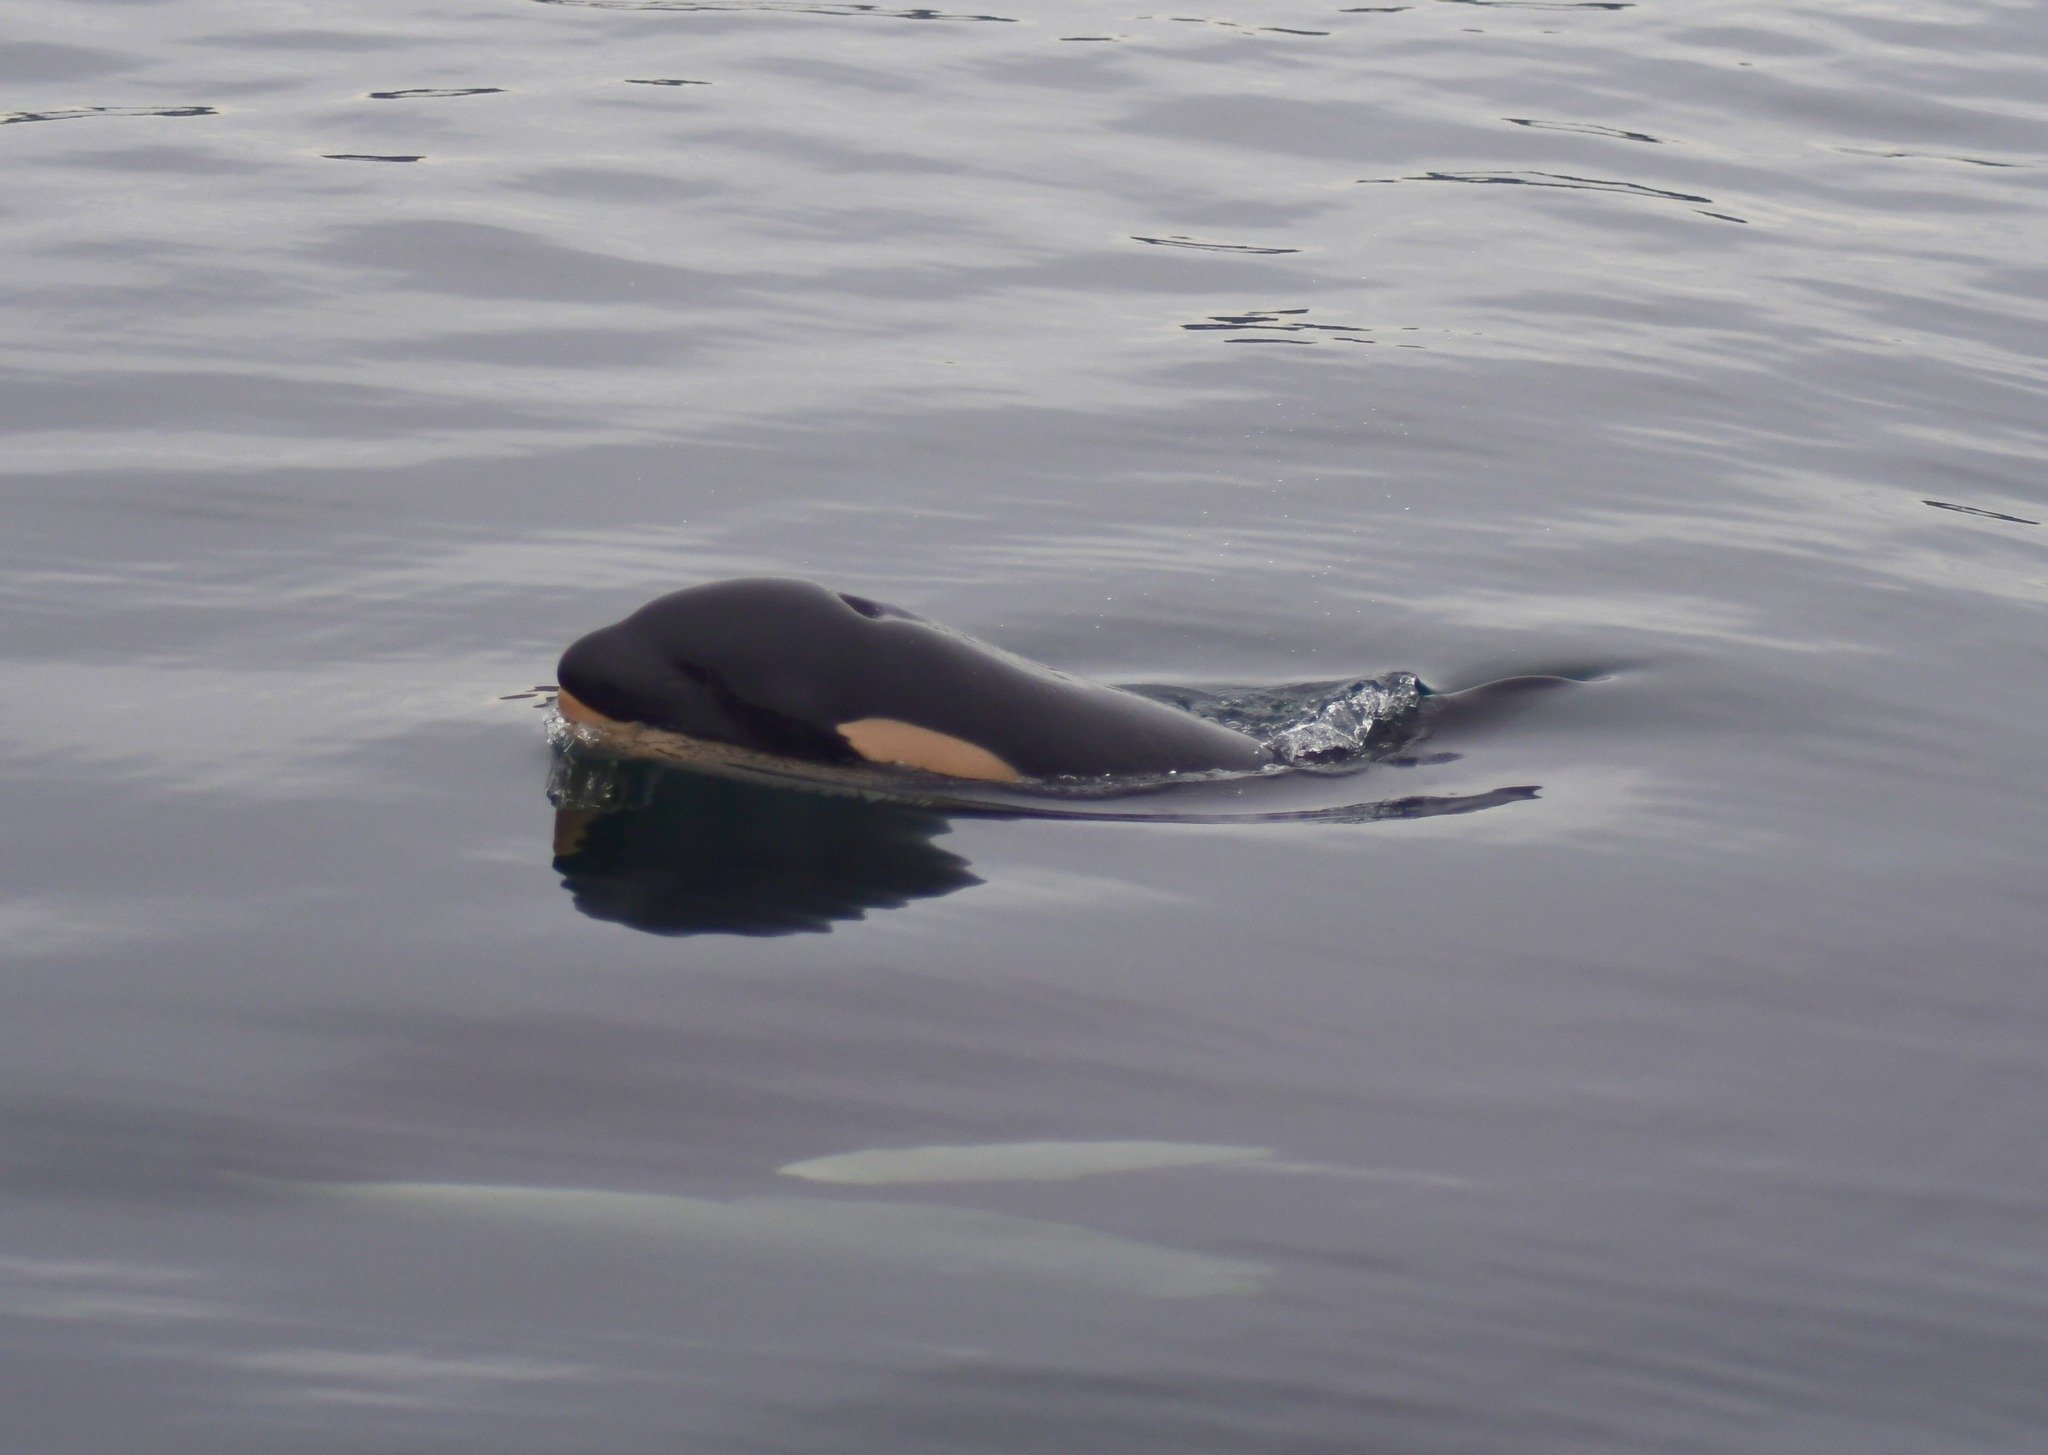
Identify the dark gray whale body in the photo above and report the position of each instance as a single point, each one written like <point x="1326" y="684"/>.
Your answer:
<point x="794" y="670"/>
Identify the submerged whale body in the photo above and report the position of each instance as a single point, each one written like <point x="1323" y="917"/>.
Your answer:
<point x="792" y="669"/>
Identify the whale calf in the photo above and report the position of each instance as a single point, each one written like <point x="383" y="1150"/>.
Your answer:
<point x="793" y="670"/>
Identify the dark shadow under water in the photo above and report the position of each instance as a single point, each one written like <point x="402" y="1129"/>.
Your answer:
<point x="690" y="853"/>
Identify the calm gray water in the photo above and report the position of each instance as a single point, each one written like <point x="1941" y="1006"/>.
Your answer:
<point x="358" y="357"/>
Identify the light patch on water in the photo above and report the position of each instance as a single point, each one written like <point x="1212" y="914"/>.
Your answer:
<point x="913" y="1237"/>
<point x="1012" y="1161"/>
<point x="91" y="1270"/>
<point x="102" y="1291"/>
<point x="398" y="1379"/>
<point x="407" y="1367"/>
<point x="1670" y="614"/>
<point x="42" y="925"/>
<point x="53" y="451"/>
<point x="109" y="1308"/>
<point x="1061" y="1161"/>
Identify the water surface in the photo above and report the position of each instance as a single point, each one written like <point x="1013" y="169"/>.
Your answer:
<point x="360" y="359"/>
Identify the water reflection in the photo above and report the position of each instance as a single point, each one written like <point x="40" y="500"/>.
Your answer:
<point x="676" y="853"/>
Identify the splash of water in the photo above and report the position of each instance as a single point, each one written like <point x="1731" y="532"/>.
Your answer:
<point x="1317" y="725"/>
<point x="592" y="784"/>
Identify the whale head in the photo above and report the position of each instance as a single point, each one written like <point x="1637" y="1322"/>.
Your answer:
<point x="755" y="663"/>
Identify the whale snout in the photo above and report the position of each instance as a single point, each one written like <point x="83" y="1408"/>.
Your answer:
<point x="610" y="676"/>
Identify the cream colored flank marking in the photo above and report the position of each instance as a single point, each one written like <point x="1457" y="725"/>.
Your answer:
<point x="878" y="739"/>
<point x="885" y="740"/>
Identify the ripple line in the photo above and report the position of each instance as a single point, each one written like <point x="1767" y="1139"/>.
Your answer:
<point x="423" y="91"/>
<point x="73" y="113"/>
<point x="1979" y="511"/>
<point x="1233" y="25"/>
<point x="777" y="7"/>
<point x="1932" y="157"/>
<point x="1261" y="325"/>
<point x="1546" y="4"/>
<point x="1209" y="247"/>
<point x="1585" y="128"/>
<point x="1563" y="181"/>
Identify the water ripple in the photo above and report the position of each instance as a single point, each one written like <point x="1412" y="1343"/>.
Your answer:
<point x="1234" y="25"/>
<point x="1265" y="325"/>
<point x="776" y="7"/>
<point x="1935" y="157"/>
<point x="304" y="464"/>
<point x="1546" y="4"/>
<point x="1329" y="725"/>
<point x="420" y="92"/>
<point x="1584" y="128"/>
<point x="1978" y="510"/>
<point x="1562" y="181"/>
<point x="74" y="113"/>
<point x="1209" y="247"/>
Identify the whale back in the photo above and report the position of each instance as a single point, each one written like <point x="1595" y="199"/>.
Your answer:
<point x="792" y="668"/>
